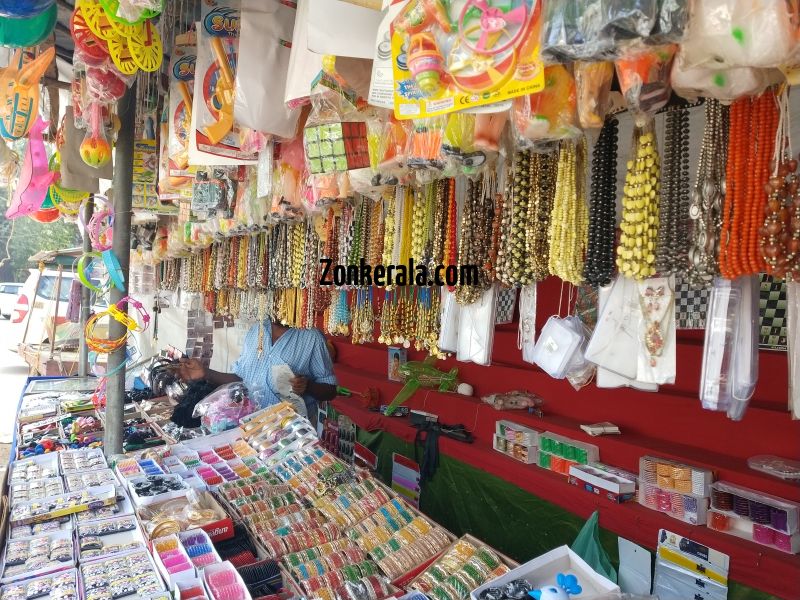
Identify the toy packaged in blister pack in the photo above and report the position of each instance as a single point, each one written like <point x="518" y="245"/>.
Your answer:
<point x="215" y="135"/>
<point x="450" y="56"/>
<point x="179" y="118"/>
<point x="550" y="114"/>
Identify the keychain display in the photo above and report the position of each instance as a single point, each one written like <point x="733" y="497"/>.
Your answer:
<point x="463" y="54"/>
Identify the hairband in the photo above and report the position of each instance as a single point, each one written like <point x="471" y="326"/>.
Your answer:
<point x="114" y="269"/>
<point x="83" y="277"/>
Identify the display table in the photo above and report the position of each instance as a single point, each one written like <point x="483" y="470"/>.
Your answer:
<point x="754" y="565"/>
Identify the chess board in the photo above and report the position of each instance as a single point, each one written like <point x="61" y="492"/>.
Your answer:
<point x="772" y="311"/>
<point x="506" y="301"/>
<point x="691" y="305"/>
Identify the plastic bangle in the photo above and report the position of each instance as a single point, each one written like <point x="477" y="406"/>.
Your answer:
<point x="82" y="266"/>
<point x="114" y="269"/>
<point x="101" y="234"/>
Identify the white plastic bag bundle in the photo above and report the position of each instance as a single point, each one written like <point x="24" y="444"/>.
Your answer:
<point x="724" y="84"/>
<point x="738" y="33"/>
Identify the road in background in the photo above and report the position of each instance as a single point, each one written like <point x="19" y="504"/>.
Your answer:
<point x="13" y="372"/>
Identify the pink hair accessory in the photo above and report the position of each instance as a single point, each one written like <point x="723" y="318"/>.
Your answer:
<point x="35" y="177"/>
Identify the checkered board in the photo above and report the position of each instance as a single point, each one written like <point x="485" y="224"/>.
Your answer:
<point x="691" y="305"/>
<point x="772" y="309"/>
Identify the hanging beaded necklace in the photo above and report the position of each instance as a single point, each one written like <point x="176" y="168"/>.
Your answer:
<point x="363" y="316"/>
<point x="673" y="230"/>
<point x="513" y="264"/>
<point x="543" y="170"/>
<point x="602" y="207"/>
<point x="708" y="195"/>
<point x="389" y="227"/>
<point x="570" y="215"/>
<point x="637" y="245"/>
<point x="474" y="244"/>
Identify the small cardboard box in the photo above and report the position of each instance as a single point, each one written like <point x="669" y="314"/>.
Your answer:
<point x="542" y="571"/>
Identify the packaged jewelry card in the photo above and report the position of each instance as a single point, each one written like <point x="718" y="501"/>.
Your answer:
<point x="87" y="459"/>
<point x="101" y="539"/>
<point x="58" y="586"/>
<point x="61" y="506"/>
<point x="122" y="507"/>
<point x="80" y="481"/>
<point x="614" y="340"/>
<point x="27" y="557"/>
<point x="37" y="467"/>
<point x="657" y="346"/>
<point x="124" y="576"/>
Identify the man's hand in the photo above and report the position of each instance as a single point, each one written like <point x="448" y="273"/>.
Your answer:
<point x="299" y="385"/>
<point x="191" y="369"/>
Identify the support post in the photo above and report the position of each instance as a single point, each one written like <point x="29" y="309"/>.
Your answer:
<point x="86" y="296"/>
<point x="122" y="196"/>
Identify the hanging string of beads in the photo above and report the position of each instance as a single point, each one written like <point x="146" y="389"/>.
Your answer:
<point x="474" y="244"/>
<point x="389" y="227"/>
<point x="599" y="266"/>
<point x="363" y="316"/>
<point x="673" y="230"/>
<point x="753" y="124"/>
<point x="540" y="207"/>
<point x="708" y="195"/>
<point x="779" y="235"/>
<point x="513" y="267"/>
<point x="636" y="252"/>
<point x="570" y="216"/>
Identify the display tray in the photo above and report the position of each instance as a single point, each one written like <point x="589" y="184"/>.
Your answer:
<point x="67" y="384"/>
<point x="86" y="479"/>
<point x="34" y="529"/>
<point x="55" y="586"/>
<point x="36" y="489"/>
<point x="145" y="500"/>
<point x="542" y="571"/>
<point x="744" y="528"/>
<point x="98" y="540"/>
<point x="128" y="576"/>
<point x="63" y="505"/>
<point x="122" y="507"/>
<point x="35" y="467"/>
<point x="33" y="551"/>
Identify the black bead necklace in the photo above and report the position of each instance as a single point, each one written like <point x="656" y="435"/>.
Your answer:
<point x="601" y="247"/>
<point x="674" y="221"/>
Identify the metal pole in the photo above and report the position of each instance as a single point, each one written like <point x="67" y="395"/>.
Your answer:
<point x="86" y="296"/>
<point x="55" y="317"/>
<point x="33" y="303"/>
<point x="123" y="192"/>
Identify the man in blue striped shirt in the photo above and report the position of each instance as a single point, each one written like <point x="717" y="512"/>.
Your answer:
<point x="269" y="344"/>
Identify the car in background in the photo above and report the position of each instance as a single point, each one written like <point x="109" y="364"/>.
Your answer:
<point x="8" y="298"/>
<point x="44" y="322"/>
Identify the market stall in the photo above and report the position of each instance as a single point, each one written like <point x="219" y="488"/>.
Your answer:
<point x="553" y="249"/>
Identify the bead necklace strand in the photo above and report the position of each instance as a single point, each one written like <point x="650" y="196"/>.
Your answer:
<point x="708" y="195"/>
<point x="636" y="252"/>
<point x="514" y="264"/>
<point x="570" y="216"/>
<point x="599" y="266"/>
<point x="540" y="209"/>
<point x="673" y="230"/>
<point x="389" y="203"/>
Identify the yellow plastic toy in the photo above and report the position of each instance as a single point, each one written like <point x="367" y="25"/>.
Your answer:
<point x="19" y="92"/>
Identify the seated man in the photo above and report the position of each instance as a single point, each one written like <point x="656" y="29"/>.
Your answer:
<point x="269" y="344"/>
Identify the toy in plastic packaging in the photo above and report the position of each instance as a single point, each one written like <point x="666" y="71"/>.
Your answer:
<point x="335" y="135"/>
<point x="425" y="144"/>
<point x="516" y="400"/>
<point x="222" y="409"/>
<point x="738" y="33"/>
<point x="287" y="201"/>
<point x="19" y="91"/>
<point x="387" y="142"/>
<point x="725" y="84"/>
<point x="450" y="56"/>
<point x="215" y="136"/>
<point x="593" y="84"/>
<point x="643" y="74"/>
<point x="730" y="351"/>
<point x="657" y="347"/>
<point x="95" y="149"/>
<point x="131" y="12"/>
<point x="35" y="176"/>
<point x="551" y="113"/>
<point x="181" y="84"/>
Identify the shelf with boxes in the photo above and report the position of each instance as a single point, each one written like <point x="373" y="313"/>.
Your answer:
<point x="752" y="515"/>
<point x="517" y="441"/>
<point x="677" y="489"/>
<point x="558" y="453"/>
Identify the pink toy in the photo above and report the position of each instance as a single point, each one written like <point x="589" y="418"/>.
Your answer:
<point x="35" y="177"/>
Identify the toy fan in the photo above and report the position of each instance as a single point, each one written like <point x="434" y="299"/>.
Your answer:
<point x="35" y="178"/>
<point x="422" y="374"/>
<point x="495" y="24"/>
<point x="19" y="92"/>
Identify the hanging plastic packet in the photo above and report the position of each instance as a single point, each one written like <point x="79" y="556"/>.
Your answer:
<point x="593" y="83"/>
<point x="724" y="84"/>
<point x="643" y="74"/>
<point x="264" y="170"/>
<point x="734" y="33"/>
<point x="657" y="344"/>
<point x="287" y="203"/>
<point x="214" y="136"/>
<point x="730" y="351"/>
<point x="556" y="347"/>
<point x="178" y="182"/>
<point x="476" y="329"/>
<point x="579" y="370"/>
<point x="450" y="317"/>
<point x="387" y="140"/>
<point x="550" y="114"/>
<point x="462" y="151"/>
<point x="425" y="144"/>
<point x="526" y="328"/>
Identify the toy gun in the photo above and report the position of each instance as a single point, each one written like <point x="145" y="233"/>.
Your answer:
<point x="224" y="95"/>
<point x="422" y="374"/>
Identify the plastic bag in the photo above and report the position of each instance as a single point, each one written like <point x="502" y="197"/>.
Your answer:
<point x="476" y="329"/>
<point x="593" y="84"/>
<point x="222" y="409"/>
<point x="739" y="33"/>
<point x="425" y="144"/>
<point x="643" y="74"/>
<point x="550" y="114"/>
<point x="287" y="182"/>
<point x="725" y="84"/>
<point x="587" y="546"/>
